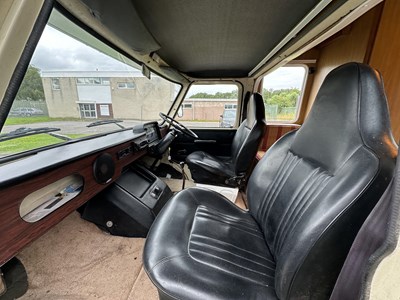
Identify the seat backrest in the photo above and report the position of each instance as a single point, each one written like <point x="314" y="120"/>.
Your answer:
<point x="249" y="134"/>
<point x="314" y="187"/>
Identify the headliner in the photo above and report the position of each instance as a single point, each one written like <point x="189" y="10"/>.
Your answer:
<point x="223" y="38"/>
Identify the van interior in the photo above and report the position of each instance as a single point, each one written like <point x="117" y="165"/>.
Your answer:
<point x="199" y="149"/>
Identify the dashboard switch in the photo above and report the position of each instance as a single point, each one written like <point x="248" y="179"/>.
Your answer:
<point x="156" y="192"/>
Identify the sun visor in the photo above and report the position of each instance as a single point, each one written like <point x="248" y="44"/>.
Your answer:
<point x="174" y="75"/>
<point x="128" y="26"/>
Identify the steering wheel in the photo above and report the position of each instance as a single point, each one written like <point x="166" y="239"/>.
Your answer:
<point x="178" y="126"/>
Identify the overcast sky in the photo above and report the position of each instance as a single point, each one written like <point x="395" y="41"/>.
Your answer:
<point x="57" y="51"/>
<point x="286" y="77"/>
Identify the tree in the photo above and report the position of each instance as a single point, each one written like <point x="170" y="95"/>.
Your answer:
<point x="217" y="95"/>
<point x="281" y="98"/>
<point x="31" y="87"/>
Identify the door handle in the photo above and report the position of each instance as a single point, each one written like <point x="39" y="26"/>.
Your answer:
<point x="181" y="152"/>
<point x="205" y="141"/>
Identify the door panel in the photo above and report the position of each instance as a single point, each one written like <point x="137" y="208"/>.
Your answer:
<point x="213" y="141"/>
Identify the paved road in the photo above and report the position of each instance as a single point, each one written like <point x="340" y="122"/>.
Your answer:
<point x="194" y="124"/>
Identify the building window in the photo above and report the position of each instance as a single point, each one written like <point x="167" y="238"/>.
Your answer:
<point x="187" y="105"/>
<point x="230" y="106"/>
<point x="92" y="81"/>
<point x="126" y="85"/>
<point x="88" y="110"/>
<point x="55" y="83"/>
<point x="105" y="81"/>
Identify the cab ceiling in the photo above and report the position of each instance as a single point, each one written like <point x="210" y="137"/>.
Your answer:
<point x="208" y="38"/>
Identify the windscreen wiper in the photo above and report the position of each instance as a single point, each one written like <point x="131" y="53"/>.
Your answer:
<point x="25" y="131"/>
<point x="60" y="136"/>
<point x="103" y="122"/>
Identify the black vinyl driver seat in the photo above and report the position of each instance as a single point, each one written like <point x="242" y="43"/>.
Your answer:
<point x="307" y="198"/>
<point x="206" y="168"/>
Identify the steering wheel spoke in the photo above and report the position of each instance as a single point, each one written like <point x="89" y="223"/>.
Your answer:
<point x="178" y="126"/>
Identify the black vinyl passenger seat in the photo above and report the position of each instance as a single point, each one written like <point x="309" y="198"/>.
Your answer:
<point x="206" y="168"/>
<point x="307" y="197"/>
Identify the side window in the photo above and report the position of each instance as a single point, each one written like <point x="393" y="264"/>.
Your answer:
<point x="282" y="92"/>
<point x="210" y="105"/>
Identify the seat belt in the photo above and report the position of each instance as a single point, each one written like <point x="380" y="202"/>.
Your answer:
<point x="376" y="239"/>
<point x="3" y="287"/>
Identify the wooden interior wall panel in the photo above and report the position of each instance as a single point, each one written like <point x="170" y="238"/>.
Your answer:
<point x="273" y="133"/>
<point x="351" y="45"/>
<point x="16" y="233"/>
<point x="385" y="57"/>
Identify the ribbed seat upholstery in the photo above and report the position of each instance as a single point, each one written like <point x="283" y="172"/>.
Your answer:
<point x="307" y="198"/>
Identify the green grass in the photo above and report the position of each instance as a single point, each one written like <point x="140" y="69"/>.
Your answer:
<point x="36" y="119"/>
<point x="281" y="117"/>
<point x="31" y="142"/>
<point x="286" y="117"/>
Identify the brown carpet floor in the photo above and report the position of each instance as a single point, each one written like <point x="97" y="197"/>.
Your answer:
<point x="76" y="260"/>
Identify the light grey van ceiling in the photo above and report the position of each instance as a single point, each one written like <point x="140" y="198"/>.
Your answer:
<point x="219" y="38"/>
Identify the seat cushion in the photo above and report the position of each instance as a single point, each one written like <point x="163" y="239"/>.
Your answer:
<point x="203" y="246"/>
<point x="206" y="168"/>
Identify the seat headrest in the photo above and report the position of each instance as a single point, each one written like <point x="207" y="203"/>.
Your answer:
<point x="255" y="110"/>
<point x="350" y="110"/>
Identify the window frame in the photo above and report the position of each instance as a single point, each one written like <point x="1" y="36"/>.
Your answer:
<point x="55" y="86"/>
<point x="125" y="85"/>
<point x="233" y="106"/>
<point x="92" y="81"/>
<point x="299" y="103"/>
<point x="82" y="104"/>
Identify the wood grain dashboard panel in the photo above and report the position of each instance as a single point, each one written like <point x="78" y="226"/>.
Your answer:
<point x="15" y="233"/>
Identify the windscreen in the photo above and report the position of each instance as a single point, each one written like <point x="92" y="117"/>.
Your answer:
<point x="75" y="87"/>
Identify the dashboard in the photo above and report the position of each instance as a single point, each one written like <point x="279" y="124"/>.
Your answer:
<point x="41" y="189"/>
<point x="151" y="130"/>
<point x="153" y="134"/>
